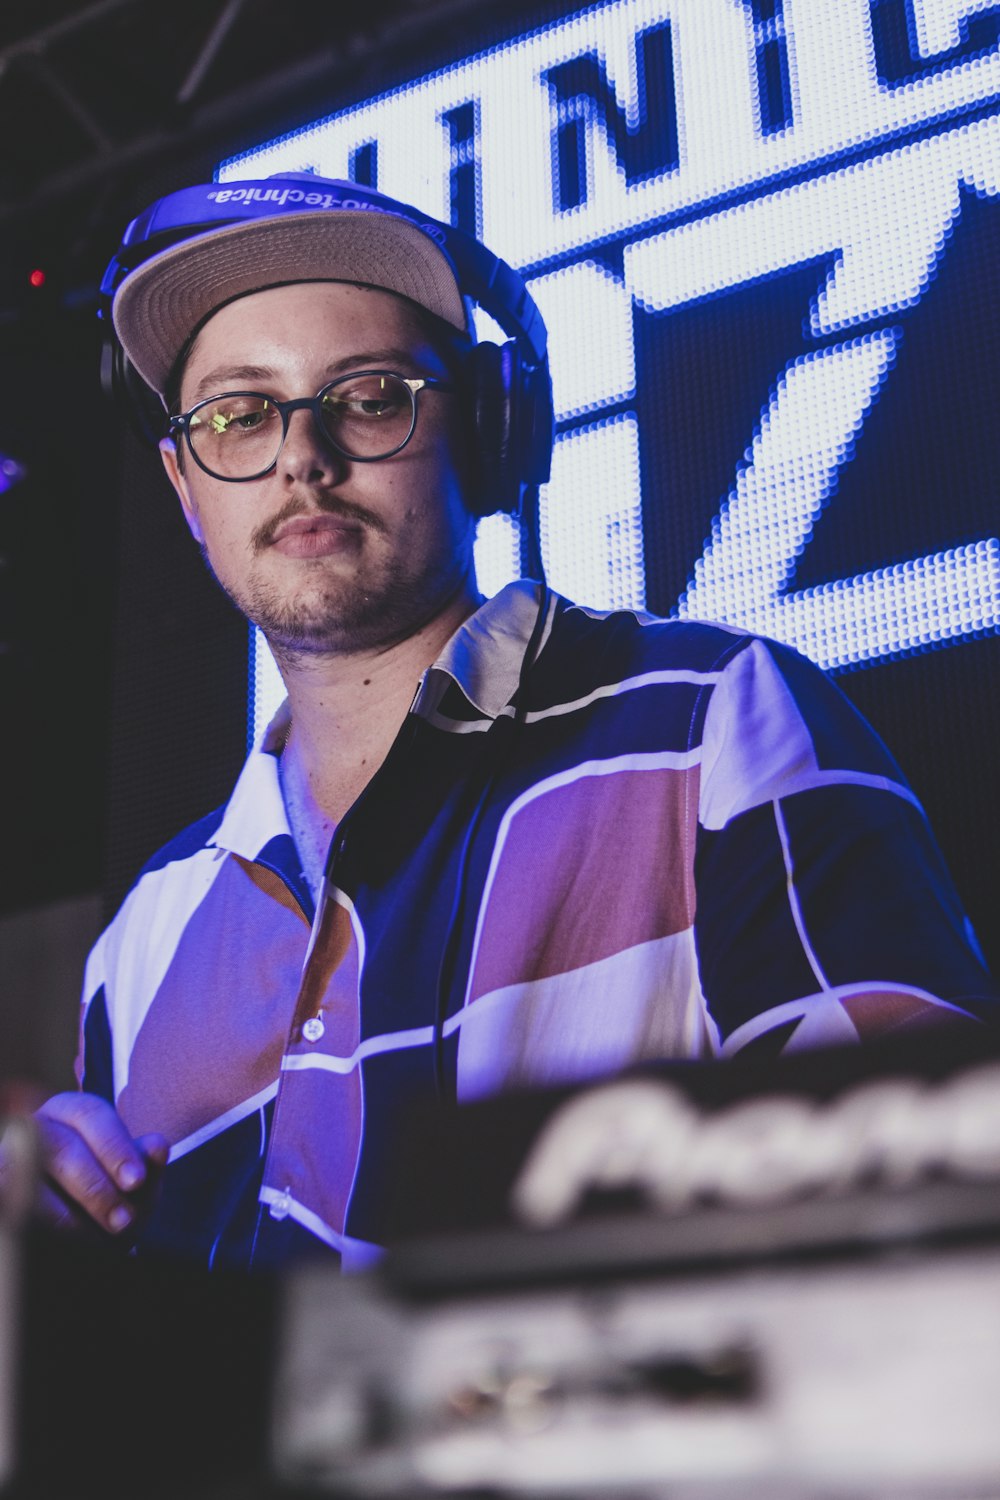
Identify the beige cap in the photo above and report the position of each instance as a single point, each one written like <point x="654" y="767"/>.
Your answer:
<point x="165" y="300"/>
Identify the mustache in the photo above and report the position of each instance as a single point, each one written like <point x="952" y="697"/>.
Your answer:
<point x="327" y="505"/>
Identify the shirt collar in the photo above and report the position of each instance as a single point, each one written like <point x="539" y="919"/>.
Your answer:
<point x="483" y="659"/>
<point x="485" y="655"/>
<point x="255" y="813"/>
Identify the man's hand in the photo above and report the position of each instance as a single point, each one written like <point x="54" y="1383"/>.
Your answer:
<point x="94" y="1169"/>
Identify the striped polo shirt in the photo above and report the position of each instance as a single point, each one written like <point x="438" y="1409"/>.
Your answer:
<point x="657" y="839"/>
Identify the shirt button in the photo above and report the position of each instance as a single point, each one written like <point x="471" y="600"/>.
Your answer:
<point x="313" y="1029"/>
<point x="282" y="1205"/>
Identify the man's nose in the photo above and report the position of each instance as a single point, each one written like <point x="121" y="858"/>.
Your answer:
<point x="306" y="453"/>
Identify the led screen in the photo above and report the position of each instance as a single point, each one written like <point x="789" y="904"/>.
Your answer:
<point x="764" y="235"/>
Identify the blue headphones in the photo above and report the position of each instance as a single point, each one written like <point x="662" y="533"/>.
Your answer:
<point x="508" y="385"/>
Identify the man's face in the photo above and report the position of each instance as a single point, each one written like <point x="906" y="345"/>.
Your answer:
<point x="324" y="554"/>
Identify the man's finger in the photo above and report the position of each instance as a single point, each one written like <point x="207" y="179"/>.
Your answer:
<point x="76" y="1172"/>
<point x="155" y="1148"/>
<point x="60" y="1212"/>
<point x="97" y="1124"/>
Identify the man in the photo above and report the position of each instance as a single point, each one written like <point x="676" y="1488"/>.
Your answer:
<point x="484" y="844"/>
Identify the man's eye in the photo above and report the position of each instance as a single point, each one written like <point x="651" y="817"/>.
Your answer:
<point x="225" y="420"/>
<point x="367" y="399"/>
<point x="360" y="406"/>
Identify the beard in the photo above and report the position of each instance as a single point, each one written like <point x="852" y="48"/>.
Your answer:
<point x="345" y="611"/>
<point x="344" y="617"/>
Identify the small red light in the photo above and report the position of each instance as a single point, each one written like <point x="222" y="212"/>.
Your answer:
<point x="37" y="278"/>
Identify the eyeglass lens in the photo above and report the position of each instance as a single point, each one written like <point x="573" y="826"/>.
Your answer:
<point x="365" y="416"/>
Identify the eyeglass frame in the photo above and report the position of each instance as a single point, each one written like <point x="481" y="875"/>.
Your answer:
<point x="181" y="423"/>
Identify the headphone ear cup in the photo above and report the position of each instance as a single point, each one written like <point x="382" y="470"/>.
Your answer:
<point x="138" y="404"/>
<point x="513" y="420"/>
<point x="535" y="424"/>
<point x="495" y="486"/>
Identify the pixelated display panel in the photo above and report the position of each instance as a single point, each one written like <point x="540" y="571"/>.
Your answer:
<point x="764" y="235"/>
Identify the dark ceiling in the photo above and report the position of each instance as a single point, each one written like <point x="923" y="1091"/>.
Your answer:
<point x="98" y="100"/>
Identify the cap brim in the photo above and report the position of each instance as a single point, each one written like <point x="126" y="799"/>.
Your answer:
<point x="161" y="304"/>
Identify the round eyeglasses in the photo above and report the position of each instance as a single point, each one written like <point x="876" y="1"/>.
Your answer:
<point x="365" y="416"/>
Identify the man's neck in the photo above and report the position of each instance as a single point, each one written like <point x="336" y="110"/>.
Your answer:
<point x="346" y="710"/>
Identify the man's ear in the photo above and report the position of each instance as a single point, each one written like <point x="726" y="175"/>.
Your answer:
<point x="168" y="453"/>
